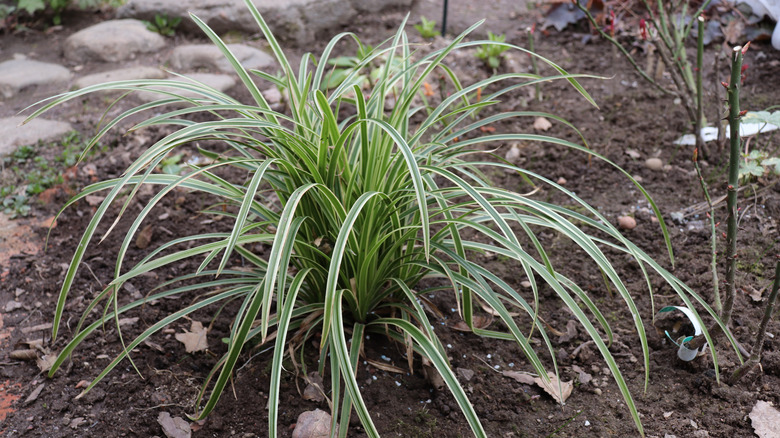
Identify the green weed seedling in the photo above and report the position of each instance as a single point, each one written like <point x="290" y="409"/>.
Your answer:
<point x="26" y="173"/>
<point x="56" y="7"/>
<point x="427" y="28"/>
<point x="492" y="54"/>
<point x="163" y="24"/>
<point x="758" y="162"/>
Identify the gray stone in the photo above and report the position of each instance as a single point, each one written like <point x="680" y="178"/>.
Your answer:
<point x="12" y="135"/>
<point x="122" y="74"/>
<point x="19" y="74"/>
<point x="296" y="20"/>
<point x="198" y="56"/>
<point x="216" y="81"/>
<point x="112" y="41"/>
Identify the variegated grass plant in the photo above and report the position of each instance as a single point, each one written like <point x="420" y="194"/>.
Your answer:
<point x="358" y="205"/>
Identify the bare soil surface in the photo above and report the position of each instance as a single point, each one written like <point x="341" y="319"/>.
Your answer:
<point x="682" y="399"/>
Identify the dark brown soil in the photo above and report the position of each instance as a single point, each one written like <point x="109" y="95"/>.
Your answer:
<point x="681" y="399"/>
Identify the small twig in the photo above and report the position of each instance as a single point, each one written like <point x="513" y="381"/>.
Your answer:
<point x="713" y="236"/>
<point x="627" y="55"/>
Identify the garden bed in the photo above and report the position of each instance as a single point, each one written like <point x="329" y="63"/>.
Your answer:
<point x="632" y="123"/>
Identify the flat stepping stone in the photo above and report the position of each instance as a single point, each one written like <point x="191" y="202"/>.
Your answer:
<point x="122" y="74"/>
<point x="112" y="41"/>
<point x="20" y="74"/>
<point x="12" y="135"/>
<point x="207" y="56"/>
<point x="294" y="20"/>
<point x="217" y="81"/>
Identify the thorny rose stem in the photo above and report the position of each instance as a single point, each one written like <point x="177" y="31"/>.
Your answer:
<point x="734" y="116"/>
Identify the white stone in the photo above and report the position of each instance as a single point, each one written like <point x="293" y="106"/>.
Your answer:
<point x="112" y="41"/>
<point x="19" y="74"/>
<point x="197" y="56"/>
<point x="654" y="164"/>
<point x="122" y="74"/>
<point x="12" y="135"/>
<point x="216" y="81"/>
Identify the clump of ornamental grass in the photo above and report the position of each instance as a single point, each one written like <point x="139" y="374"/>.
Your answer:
<point x="358" y="205"/>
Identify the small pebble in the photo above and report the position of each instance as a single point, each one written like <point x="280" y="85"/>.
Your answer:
<point x="654" y="164"/>
<point x="587" y="423"/>
<point x="561" y="181"/>
<point x="626" y="222"/>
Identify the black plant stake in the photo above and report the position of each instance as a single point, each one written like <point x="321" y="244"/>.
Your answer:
<point x="444" y="19"/>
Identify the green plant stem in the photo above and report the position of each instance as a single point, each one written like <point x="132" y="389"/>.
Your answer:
<point x="731" y="199"/>
<point x="537" y="87"/>
<point x="699" y="92"/>
<point x="758" y="346"/>
<point x="714" y="237"/>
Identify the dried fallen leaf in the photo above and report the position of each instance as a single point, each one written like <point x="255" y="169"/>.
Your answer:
<point x="34" y="395"/>
<point x="12" y="305"/>
<point x="494" y="312"/>
<point x="765" y="420"/>
<point x="571" y="332"/>
<point x="432" y="375"/>
<point x="466" y="373"/>
<point x="145" y="237"/>
<point x="520" y="376"/>
<point x="480" y="322"/>
<point x="633" y="154"/>
<point x="559" y="393"/>
<point x="45" y="362"/>
<point x="313" y="424"/>
<point x="385" y="366"/>
<point x="197" y="425"/>
<point x="313" y="390"/>
<point x="26" y="354"/>
<point x="755" y="294"/>
<point x="542" y="124"/>
<point x="154" y="346"/>
<point x="128" y="321"/>
<point x="733" y="31"/>
<point x="76" y="422"/>
<point x="36" y="328"/>
<point x="513" y="154"/>
<point x="94" y="200"/>
<point x="195" y="339"/>
<point x="174" y="427"/>
<point x="583" y="377"/>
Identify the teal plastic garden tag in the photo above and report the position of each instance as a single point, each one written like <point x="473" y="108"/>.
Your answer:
<point x="683" y="352"/>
